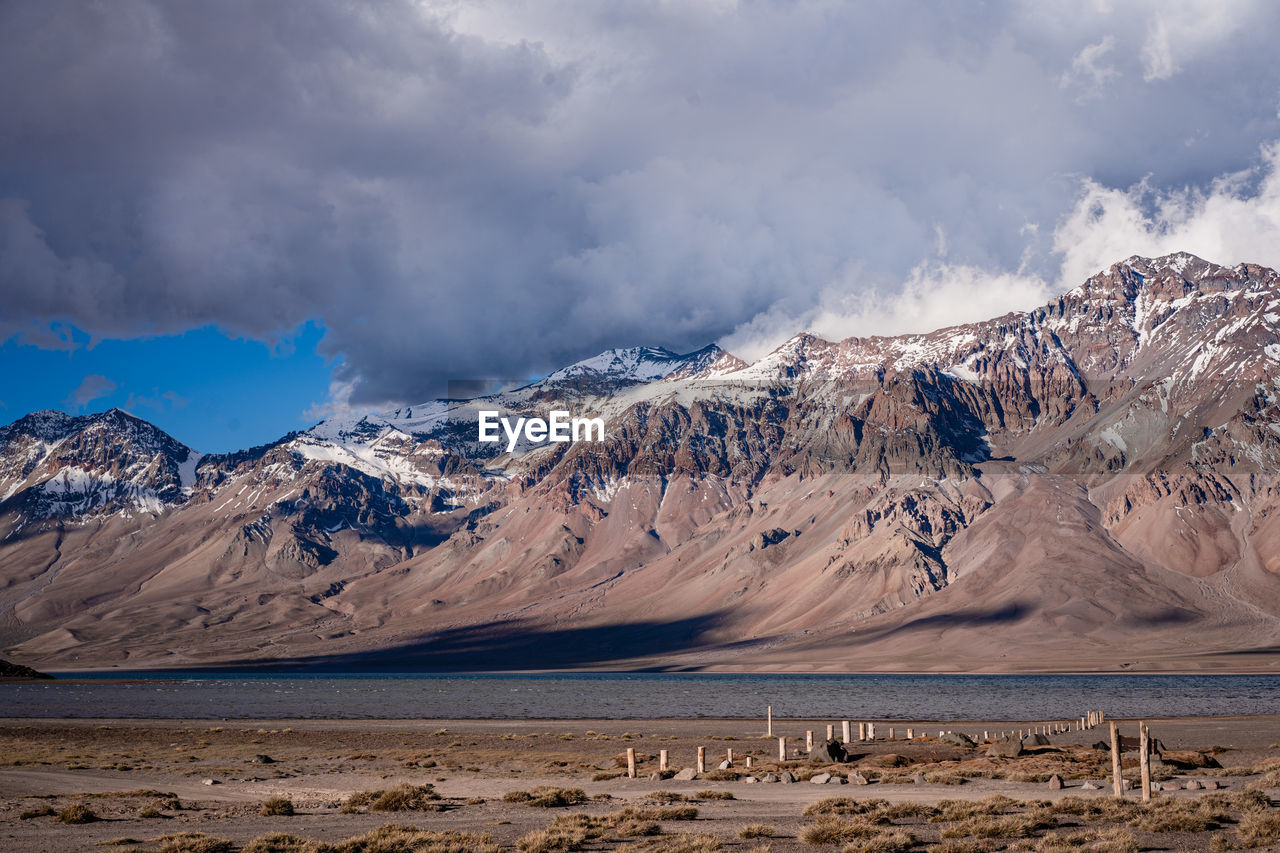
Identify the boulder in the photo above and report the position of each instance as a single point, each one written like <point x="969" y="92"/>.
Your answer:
<point x="856" y="778"/>
<point x="1212" y="784"/>
<point x="751" y="780"/>
<point x="655" y="776"/>
<point x="959" y="739"/>
<point x="1006" y="747"/>
<point x="1055" y="782"/>
<point x="726" y="764"/>
<point x="918" y="778"/>
<point x="686" y="775"/>
<point x="262" y="759"/>
<point x="821" y="779"/>
<point x="828" y="752"/>
<point x="210" y="782"/>
<point x="1036" y="740"/>
<point x="1090" y="786"/>
<point x="1193" y="785"/>
<point x="769" y="777"/>
<point x="787" y="776"/>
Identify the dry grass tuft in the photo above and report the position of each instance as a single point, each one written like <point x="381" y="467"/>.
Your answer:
<point x="279" y="842"/>
<point x="78" y="813"/>
<point x="277" y="807"/>
<point x="756" y="830"/>
<point x="1258" y="827"/>
<point x="953" y="810"/>
<point x="547" y="797"/>
<point x="835" y="830"/>
<point x="549" y="840"/>
<point x="194" y="842"/>
<point x="1169" y="815"/>
<point x="894" y="841"/>
<point x="714" y="795"/>
<point x="1002" y="826"/>
<point x="843" y="806"/>
<point x="402" y="798"/>
<point x="657" y="813"/>
<point x="898" y="811"/>
<point x="944" y="777"/>
<point x="1114" y="840"/>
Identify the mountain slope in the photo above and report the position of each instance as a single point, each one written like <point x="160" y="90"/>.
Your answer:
<point x="1089" y="484"/>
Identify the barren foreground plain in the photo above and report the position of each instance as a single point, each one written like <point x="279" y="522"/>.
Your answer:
<point x="373" y="786"/>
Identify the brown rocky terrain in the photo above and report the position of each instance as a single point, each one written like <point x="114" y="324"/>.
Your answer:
<point x="325" y="786"/>
<point x="1089" y="485"/>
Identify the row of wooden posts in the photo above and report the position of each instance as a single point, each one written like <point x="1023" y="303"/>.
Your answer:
<point x="867" y="732"/>
<point x="664" y="762"/>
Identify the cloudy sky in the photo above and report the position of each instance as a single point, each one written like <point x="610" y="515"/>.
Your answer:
<point x="233" y="217"/>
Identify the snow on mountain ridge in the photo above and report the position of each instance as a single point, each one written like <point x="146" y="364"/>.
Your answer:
<point x="636" y="364"/>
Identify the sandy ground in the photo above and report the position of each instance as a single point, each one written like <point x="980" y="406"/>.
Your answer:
<point x="120" y="768"/>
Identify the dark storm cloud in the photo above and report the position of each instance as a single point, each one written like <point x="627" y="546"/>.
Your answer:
<point x="472" y="190"/>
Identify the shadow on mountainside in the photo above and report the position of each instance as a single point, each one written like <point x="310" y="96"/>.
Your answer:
<point x="509" y="645"/>
<point x="1008" y="614"/>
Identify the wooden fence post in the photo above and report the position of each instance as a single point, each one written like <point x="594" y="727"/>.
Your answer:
<point x="831" y="732"/>
<point x="702" y="759"/>
<point x="631" y="762"/>
<point x="769" y="730"/>
<point x="844" y="728"/>
<point x="1144" y="760"/>
<point x="871" y="731"/>
<point x="1116" y="783"/>
<point x="728" y="755"/>
<point x="782" y="749"/>
<point x="662" y="760"/>
<point x="808" y="741"/>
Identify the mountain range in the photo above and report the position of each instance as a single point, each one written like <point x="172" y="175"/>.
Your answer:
<point x="1091" y="485"/>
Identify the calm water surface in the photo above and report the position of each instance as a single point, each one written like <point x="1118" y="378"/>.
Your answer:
<point x="638" y="696"/>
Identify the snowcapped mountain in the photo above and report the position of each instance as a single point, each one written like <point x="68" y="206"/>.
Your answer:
<point x="1091" y="483"/>
<point x="55" y="466"/>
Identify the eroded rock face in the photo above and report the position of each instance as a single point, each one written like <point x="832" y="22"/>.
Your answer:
<point x="1085" y="483"/>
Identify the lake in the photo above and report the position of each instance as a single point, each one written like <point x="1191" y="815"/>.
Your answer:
<point x="196" y="695"/>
